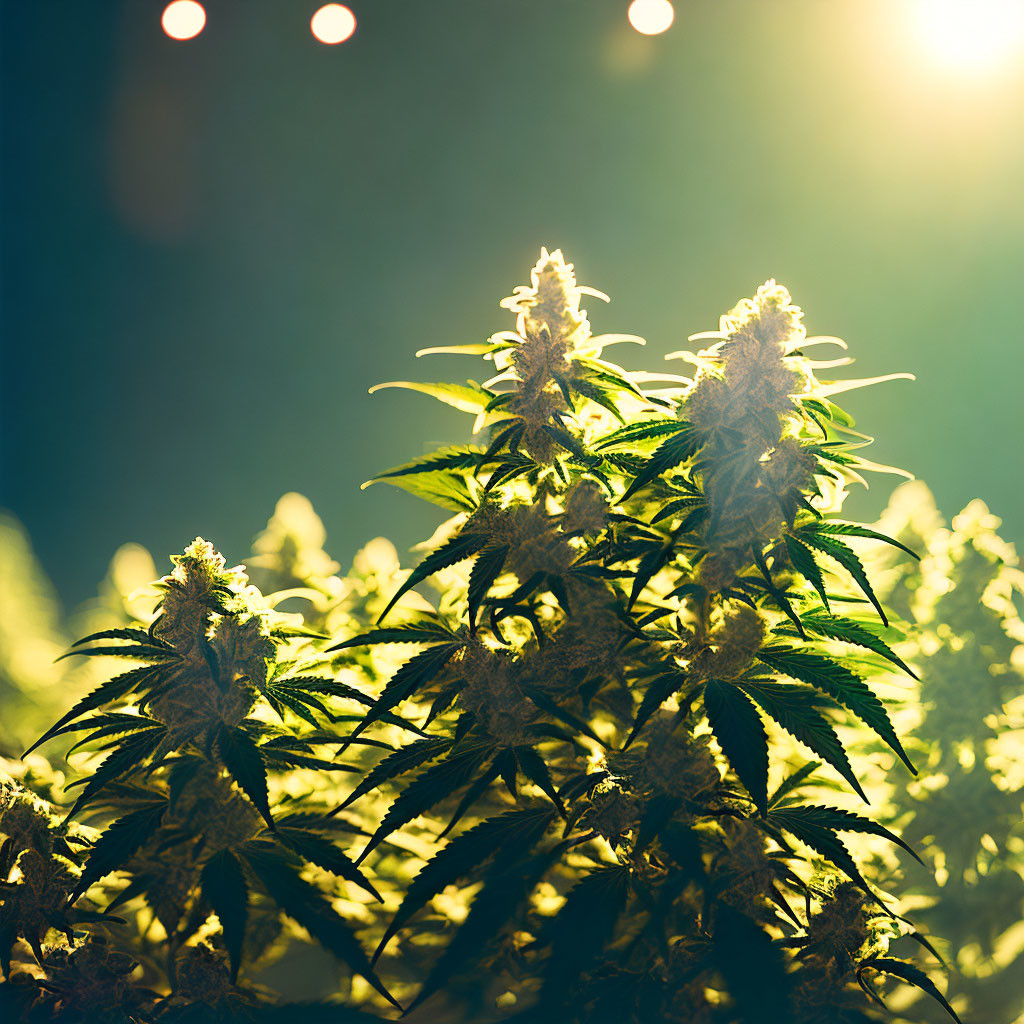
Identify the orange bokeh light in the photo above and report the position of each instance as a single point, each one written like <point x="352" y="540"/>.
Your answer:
<point x="333" y="24"/>
<point x="183" y="19"/>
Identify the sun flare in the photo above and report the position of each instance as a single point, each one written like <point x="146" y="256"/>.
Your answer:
<point x="972" y="35"/>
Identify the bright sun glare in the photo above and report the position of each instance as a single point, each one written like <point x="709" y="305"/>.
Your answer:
<point x="974" y="35"/>
<point x="650" y="17"/>
<point x="333" y="24"/>
<point x="183" y="19"/>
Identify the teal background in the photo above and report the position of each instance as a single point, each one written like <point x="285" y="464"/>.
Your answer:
<point x="212" y="249"/>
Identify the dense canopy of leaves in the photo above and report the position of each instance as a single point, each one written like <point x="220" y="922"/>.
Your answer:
<point x="578" y="779"/>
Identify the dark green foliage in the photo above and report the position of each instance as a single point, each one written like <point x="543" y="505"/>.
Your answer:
<point x="585" y="744"/>
<point x="617" y="653"/>
<point x="189" y="745"/>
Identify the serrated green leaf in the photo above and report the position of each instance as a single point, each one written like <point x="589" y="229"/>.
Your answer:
<point x="678" y="448"/>
<point x="457" y="549"/>
<point x="795" y="708"/>
<point x="847" y="558"/>
<point x="804" y="563"/>
<point x="838" y="627"/>
<point x="840" y="684"/>
<point x="452" y="457"/>
<point x="447" y="489"/>
<point x="843" y="529"/>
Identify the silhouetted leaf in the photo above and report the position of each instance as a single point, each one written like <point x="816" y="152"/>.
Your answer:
<point x="740" y="733"/>
<point x="823" y="840"/>
<point x="753" y="969"/>
<point x="581" y="928"/>
<point x="130" y="754"/>
<point x="138" y="635"/>
<point x="430" y="787"/>
<point x="486" y="569"/>
<point x="414" y="674"/>
<point x="794" y="781"/>
<point x="117" y="845"/>
<point x="405" y="759"/>
<point x="245" y="765"/>
<point x="658" y="691"/>
<point x="536" y="770"/>
<point x="909" y="973"/>
<point x="324" y="854"/>
<point x="490" y="912"/>
<point x="140" y="652"/>
<point x="512" y="834"/>
<point x="306" y="905"/>
<point x="419" y="632"/>
<point x="225" y="889"/>
<point x="113" y="689"/>
<point x="839" y="821"/>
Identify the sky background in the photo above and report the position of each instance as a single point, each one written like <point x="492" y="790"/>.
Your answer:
<point x="212" y="249"/>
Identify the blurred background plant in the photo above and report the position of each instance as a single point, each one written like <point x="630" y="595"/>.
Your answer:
<point x="963" y="723"/>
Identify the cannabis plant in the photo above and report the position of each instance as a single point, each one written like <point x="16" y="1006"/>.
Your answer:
<point x="197" y="807"/>
<point x="639" y="586"/>
<point x="964" y="723"/>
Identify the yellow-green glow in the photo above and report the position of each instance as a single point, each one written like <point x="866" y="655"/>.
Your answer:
<point x="651" y="17"/>
<point x="183" y="19"/>
<point x="972" y="35"/>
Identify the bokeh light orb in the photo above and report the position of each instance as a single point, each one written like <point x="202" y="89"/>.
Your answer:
<point x="333" y="24"/>
<point x="183" y="19"/>
<point x="972" y="35"/>
<point x="651" y="17"/>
